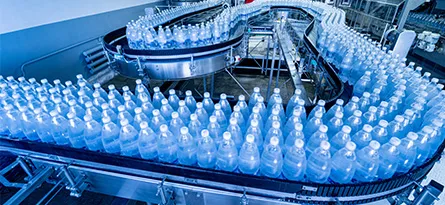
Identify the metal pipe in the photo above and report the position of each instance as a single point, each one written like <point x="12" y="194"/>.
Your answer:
<point x="237" y="82"/>
<point x="279" y="68"/>
<point x="50" y="191"/>
<point x="272" y="66"/>
<point x="22" y="68"/>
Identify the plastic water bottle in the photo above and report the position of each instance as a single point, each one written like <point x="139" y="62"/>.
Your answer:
<point x="423" y="145"/>
<point x="47" y="105"/>
<point x="318" y="108"/>
<point x="256" y="131"/>
<point x="292" y="121"/>
<point x="45" y="84"/>
<point x="147" y="107"/>
<point x="81" y="80"/>
<point x="235" y="132"/>
<point x="339" y="140"/>
<point x="215" y="130"/>
<point x="195" y="127"/>
<point x="295" y="163"/>
<point x="363" y="84"/>
<point x="128" y="139"/>
<point x="225" y="106"/>
<point x="302" y="109"/>
<point x="343" y="164"/>
<point x="293" y="102"/>
<point x="273" y="98"/>
<point x="69" y="85"/>
<point x="374" y="99"/>
<point x="190" y="101"/>
<point x="186" y="148"/>
<point x="382" y="111"/>
<point x="43" y="124"/>
<point x="126" y="92"/>
<point x="389" y="158"/>
<point x="176" y="124"/>
<point x="76" y="131"/>
<point x="275" y="131"/>
<point x="338" y="107"/>
<point x="227" y="154"/>
<point x="437" y="136"/>
<point x="262" y="110"/>
<point x="92" y="134"/>
<point x="335" y="124"/>
<point x="108" y="112"/>
<point x="379" y="133"/>
<point x="364" y="102"/>
<point x="273" y="117"/>
<point x="76" y="109"/>
<point x="97" y="99"/>
<point x="367" y="162"/>
<point x="207" y="103"/>
<point x="85" y="89"/>
<point x="167" y="147"/>
<point x="173" y="99"/>
<point x="319" y="164"/>
<point x="53" y="94"/>
<point x="254" y="97"/>
<point x="272" y="159"/>
<point x="28" y="123"/>
<point x="139" y="117"/>
<point x="32" y="102"/>
<point x="59" y="128"/>
<point x="363" y="136"/>
<point x="157" y="120"/>
<point x="92" y="111"/>
<point x="408" y="152"/>
<point x="184" y="112"/>
<point x="166" y="110"/>
<point x="124" y="114"/>
<point x="110" y="136"/>
<point x="239" y="118"/>
<point x="147" y="142"/>
<point x="206" y="154"/>
<point x="220" y="116"/>
<point x="351" y="107"/>
<point x="249" y="156"/>
<point x="355" y="122"/>
<point x="202" y="114"/>
<point x="313" y="124"/>
<point x="370" y="117"/>
<point x="98" y="89"/>
<point x="61" y="107"/>
<point x="316" y="138"/>
<point x="113" y="102"/>
<point x="129" y="104"/>
<point x="244" y="108"/>
<point x="157" y="98"/>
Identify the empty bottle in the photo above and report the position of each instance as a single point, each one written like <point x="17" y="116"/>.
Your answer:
<point x="206" y="154"/>
<point x="157" y="98"/>
<point x="319" y="164"/>
<point x="76" y="131"/>
<point x="389" y="156"/>
<point x="343" y="164"/>
<point x="59" y="128"/>
<point x="339" y="140"/>
<point x="272" y="159"/>
<point x="92" y="134"/>
<point x="313" y="124"/>
<point x="186" y="148"/>
<point x="190" y="101"/>
<point x="367" y="162"/>
<point x="207" y="103"/>
<point x="110" y="136"/>
<point x="295" y="163"/>
<point x="249" y="156"/>
<point x="408" y="152"/>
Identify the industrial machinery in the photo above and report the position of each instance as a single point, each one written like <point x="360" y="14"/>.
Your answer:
<point x="82" y="170"/>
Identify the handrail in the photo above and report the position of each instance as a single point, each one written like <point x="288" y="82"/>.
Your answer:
<point x="22" y="68"/>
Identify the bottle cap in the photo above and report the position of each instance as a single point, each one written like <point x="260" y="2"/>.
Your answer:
<point x="104" y="106"/>
<point x="427" y="74"/>
<point x="339" y="115"/>
<point x="56" y="81"/>
<point x="171" y="92"/>
<point x="175" y="115"/>
<point x="44" y="81"/>
<point x="355" y="99"/>
<point x="206" y="95"/>
<point x="254" y="122"/>
<point x="260" y="99"/>
<point x="106" y="120"/>
<point x="357" y="113"/>
<point x="276" y="124"/>
<point x="181" y="103"/>
<point x="227" y="136"/>
<point x="127" y="97"/>
<point x="301" y="102"/>
<point x="217" y="106"/>
<point x="318" y="114"/>
<point x="339" y="102"/>
<point x="156" y="112"/>
<point x="372" y="108"/>
<point x="440" y="86"/>
<point x="68" y="83"/>
<point x="233" y="121"/>
<point x="241" y="98"/>
<point x="367" y="128"/>
<point x="199" y="105"/>
<point x="366" y="95"/>
<point x="350" y="146"/>
<point x="21" y="79"/>
<point x="279" y="101"/>
<point x="111" y="87"/>
<point x="383" y="123"/>
<point x="256" y="89"/>
<point x="274" y="141"/>
<point x="96" y="85"/>
<point x="38" y="89"/>
<point x="437" y="123"/>
<point x="32" y="80"/>
<point x="409" y="112"/>
<point x="256" y="110"/>
<point x="428" y="129"/>
<point x="223" y="96"/>
<point x="276" y="90"/>
<point x="163" y="128"/>
<point x="368" y="73"/>
<point x="325" y="145"/>
<point x="57" y="100"/>
<point x="53" y="113"/>
<point x="299" y="143"/>
<point x="193" y="117"/>
<point x="321" y="103"/>
<point x="346" y="129"/>
<point x="399" y="118"/>
<point x="204" y="133"/>
<point x="82" y="84"/>
<point x="275" y="112"/>
<point x="81" y="92"/>
<point x="298" y="127"/>
<point x="188" y="93"/>
<point x="164" y="101"/>
<point x="87" y="118"/>
<point x="138" y="110"/>
<point x="15" y="87"/>
<point x="37" y="110"/>
<point x="111" y="96"/>
<point x="434" y="80"/>
<point x="23" y="108"/>
<point x="125" y="88"/>
<point x="376" y="91"/>
<point x="79" y="76"/>
<point x="296" y="112"/>
<point x="250" y="138"/>
<point x="412" y="136"/>
<point x="212" y="119"/>
<point x="394" y="141"/>
<point x="156" y="89"/>
<point x="323" y="128"/>
<point x="374" y="145"/>
<point x="236" y="108"/>
<point x="88" y="104"/>
<point x="297" y="92"/>
<point x="184" y="130"/>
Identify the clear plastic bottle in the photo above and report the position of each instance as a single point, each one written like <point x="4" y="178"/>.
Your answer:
<point x="184" y="112"/>
<point x="343" y="164"/>
<point x="157" y="120"/>
<point x="81" y="80"/>
<point x="363" y="136"/>
<point x="316" y="138"/>
<point x="76" y="109"/>
<point x="147" y="142"/>
<point x="239" y="118"/>
<point x="293" y="102"/>
<point x="227" y="154"/>
<point x="166" y="110"/>
<point x="262" y="110"/>
<point x="256" y="131"/>
<point x="190" y="101"/>
<point x="363" y="84"/>
<point x="367" y="162"/>
<point x="110" y="136"/>
<point x="129" y="104"/>
<point x="176" y="124"/>
<point x="128" y="137"/>
<point x="69" y="85"/>
<point x="225" y="106"/>
<point x="295" y="163"/>
<point x="157" y="98"/>
<point x="244" y="108"/>
<point x="97" y="99"/>
<point x="374" y="99"/>
<point x="313" y="124"/>
<point x="249" y="156"/>
<point x="423" y="145"/>
<point x="408" y="152"/>
<point x="98" y="89"/>
<point x="370" y="117"/>
<point x="117" y="95"/>
<point x="339" y="140"/>
<point x="43" y="123"/>
<point x="364" y="102"/>
<point x="272" y="159"/>
<point x="338" y="107"/>
<point x="253" y="97"/>
<point x="389" y="158"/>
<point x="207" y="103"/>
<point x="139" y="117"/>
<point x="186" y="148"/>
<point x="28" y="123"/>
<point x="113" y="102"/>
<point x="319" y="164"/>
<point x="108" y="112"/>
<point x="92" y="111"/>
<point x="220" y="116"/>
<point x="61" y="107"/>
<point x="318" y="108"/>
<point x="235" y="132"/>
<point x="273" y="117"/>
<point x="124" y="114"/>
<point x="173" y="99"/>
<point x="302" y="109"/>
<point x="335" y="124"/>
<point x="294" y="119"/>
<point x="206" y="154"/>
<point x="126" y="92"/>
<point x="202" y="114"/>
<point x="147" y="107"/>
<point x="273" y="98"/>
<point x="351" y="107"/>
<point x="59" y="128"/>
<point x="92" y="134"/>
<point x="380" y="133"/>
<point x="355" y="122"/>
<point x="215" y="130"/>
<point x="76" y="130"/>
<point x="195" y="127"/>
<point x="277" y="106"/>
